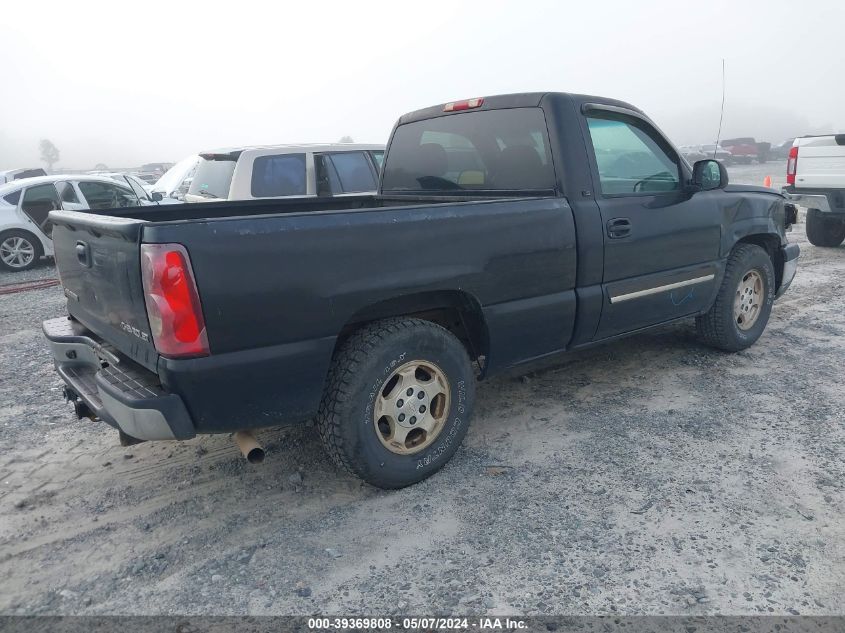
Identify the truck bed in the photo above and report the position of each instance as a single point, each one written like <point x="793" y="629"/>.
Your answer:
<point x="279" y="281"/>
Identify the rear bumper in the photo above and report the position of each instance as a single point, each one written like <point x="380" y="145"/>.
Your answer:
<point x="790" y="254"/>
<point x="117" y="390"/>
<point x="826" y="201"/>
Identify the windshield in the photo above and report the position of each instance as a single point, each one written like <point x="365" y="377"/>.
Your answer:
<point x="485" y="150"/>
<point x="173" y="177"/>
<point x="213" y="178"/>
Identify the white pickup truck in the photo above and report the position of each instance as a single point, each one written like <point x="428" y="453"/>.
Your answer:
<point x="815" y="176"/>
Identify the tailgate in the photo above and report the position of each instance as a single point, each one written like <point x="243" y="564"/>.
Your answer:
<point x="821" y="164"/>
<point x="99" y="263"/>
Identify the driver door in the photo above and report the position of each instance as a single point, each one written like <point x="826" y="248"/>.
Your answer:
<point x="661" y="242"/>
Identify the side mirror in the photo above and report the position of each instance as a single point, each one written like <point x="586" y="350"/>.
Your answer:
<point x="709" y="174"/>
<point x="156" y="196"/>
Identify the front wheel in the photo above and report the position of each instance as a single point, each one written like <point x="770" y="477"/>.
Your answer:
<point x="824" y="231"/>
<point x="19" y="251"/>
<point x="744" y="302"/>
<point x="398" y="401"/>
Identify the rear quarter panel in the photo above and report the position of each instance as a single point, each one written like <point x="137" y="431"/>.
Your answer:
<point x="273" y="279"/>
<point x="277" y="290"/>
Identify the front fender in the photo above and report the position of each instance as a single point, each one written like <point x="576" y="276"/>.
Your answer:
<point x="752" y="214"/>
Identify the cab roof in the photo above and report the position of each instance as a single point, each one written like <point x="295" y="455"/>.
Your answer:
<point x="232" y="153"/>
<point x="518" y="100"/>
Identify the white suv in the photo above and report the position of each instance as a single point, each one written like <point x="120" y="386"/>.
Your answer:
<point x="279" y="171"/>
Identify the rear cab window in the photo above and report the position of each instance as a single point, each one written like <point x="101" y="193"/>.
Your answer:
<point x="487" y="150"/>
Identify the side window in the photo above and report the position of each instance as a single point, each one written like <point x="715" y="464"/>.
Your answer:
<point x="13" y="198"/>
<point x="279" y="175"/>
<point x="102" y="195"/>
<point x="378" y="158"/>
<point x="353" y="171"/>
<point x="38" y="201"/>
<point x="66" y="192"/>
<point x="630" y="158"/>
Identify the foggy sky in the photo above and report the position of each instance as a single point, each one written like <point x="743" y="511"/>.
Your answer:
<point x="129" y="83"/>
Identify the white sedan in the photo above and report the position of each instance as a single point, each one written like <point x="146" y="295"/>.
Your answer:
<point x="25" y="204"/>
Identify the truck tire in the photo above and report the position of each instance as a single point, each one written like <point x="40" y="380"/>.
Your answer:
<point x="19" y="250"/>
<point x="398" y="401"/>
<point x="744" y="301"/>
<point x="824" y="231"/>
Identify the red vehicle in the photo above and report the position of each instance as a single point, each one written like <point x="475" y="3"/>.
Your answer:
<point x="743" y="150"/>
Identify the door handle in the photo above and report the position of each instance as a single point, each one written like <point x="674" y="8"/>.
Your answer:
<point x="618" y="227"/>
<point x="82" y="254"/>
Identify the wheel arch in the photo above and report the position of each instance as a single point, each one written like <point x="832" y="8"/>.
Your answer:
<point x="6" y="230"/>
<point x="42" y="248"/>
<point x="456" y="310"/>
<point x="771" y="244"/>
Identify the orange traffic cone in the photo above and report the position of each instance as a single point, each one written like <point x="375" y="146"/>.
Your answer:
<point x="767" y="181"/>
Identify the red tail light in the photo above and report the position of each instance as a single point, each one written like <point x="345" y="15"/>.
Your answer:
<point x="173" y="303"/>
<point x="791" y="165"/>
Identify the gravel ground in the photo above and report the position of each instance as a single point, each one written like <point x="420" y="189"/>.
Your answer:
<point x="650" y="476"/>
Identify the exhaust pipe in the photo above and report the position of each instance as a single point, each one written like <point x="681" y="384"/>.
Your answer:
<point x="250" y="448"/>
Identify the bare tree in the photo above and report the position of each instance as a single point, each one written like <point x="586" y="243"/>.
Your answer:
<point x="346" y="139"/>
<point x="49" y="153"/>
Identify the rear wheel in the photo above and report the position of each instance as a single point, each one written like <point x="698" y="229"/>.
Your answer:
<point x="744" y="302"/>
<point x="19" y="250"/>
<point x="398" y="401"/>
<point x="824" y="230"/>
